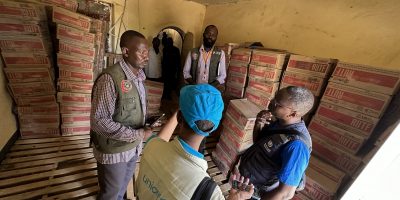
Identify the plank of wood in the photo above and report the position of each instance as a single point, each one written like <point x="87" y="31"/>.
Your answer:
<point x="20" y="147"/>
<point x="50" y="190"/>
<point x="56" y="139"/>
<point x="41" y="184"/>
<point x="45" y="161"/>
<point x="219" y="178"/>
<point x="207" y="158"/>
<point x="210" y="164"/>
<point x="46" y="150"/>
<point x="46" y="156"/>
<point x="76" y="193"/>
<point x="39" y="176"/>
<point x="22" y="172"/>
<point x="213" y="171"/>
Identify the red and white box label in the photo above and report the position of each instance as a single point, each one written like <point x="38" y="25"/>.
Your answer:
<point x="72" y="86"/>
<point x="75" y="129"/>
<point x="258" y="97"/>
<point x="313" y="83"/>
<point x="241" y="55"/>
<point x="30" y="89"/>
<point x="72" y="74"/>
<point x="66" y="17"/>
<point x="310" y="65"/>
<point x="39" y="109"/>
<point x="69" y="61"/>
<point x="237" y="79"/>
<point x="86" y="53"/>
<point x="67" y="97"/>
<point x="243" y="135"/>
<point x="360" y="100"/>
<point x="75" y="36"/>
<point x="75" y="108"/>
<point x="268" y="58"/>
<point x="36" y="100"/>
<point x="14" y="10"/>
<point x="264" y="73"/>
<point x="234" y="90"/>
<point x="238" y="67"/>
<point x="267" y="87"/>
<point x="366" y="77"/>
<point x="83" y="118"/>
<point x="243" y="112"/>
<point x="26" y="59"/>
<point x="20" y="75"/>
<point x="23" y="43"/>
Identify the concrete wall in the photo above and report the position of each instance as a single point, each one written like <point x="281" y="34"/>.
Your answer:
<point x="150" y="16"/>
<point x="359" y="31"/>
<point x="7" y="122"/>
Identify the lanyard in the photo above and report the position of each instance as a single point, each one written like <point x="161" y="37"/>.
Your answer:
<point x="206" y="55"/>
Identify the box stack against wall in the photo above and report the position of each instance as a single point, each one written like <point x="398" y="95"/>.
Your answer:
<point x="237" y="73"/>
<point x="310" y="72"/>
<point x="237" y="133"/>
<point x="154" y="91"/>
<point x="264" y="73"/>
<point x="353" y="103"/>
<point x="227" y="48"/>
<point x="78" y="64"/>
<point x="25" y="47"/>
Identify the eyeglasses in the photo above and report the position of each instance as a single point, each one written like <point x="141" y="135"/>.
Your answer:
<point x="276" y="104"/>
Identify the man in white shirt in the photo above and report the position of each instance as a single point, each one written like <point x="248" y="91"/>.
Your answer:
<point x="206" y="64"/>
<point x="153" y="69"/>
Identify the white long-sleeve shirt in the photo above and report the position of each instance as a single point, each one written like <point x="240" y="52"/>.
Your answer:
<point x="203" y="66"/>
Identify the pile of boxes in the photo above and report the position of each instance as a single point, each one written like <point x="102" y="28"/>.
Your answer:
<point x="237" y="133"/>
<point x="79" y="40"/>
<point x="264" y="74"/>
<point x="354" y="100"/>
<point x="154" y="91"/>
<point x="26" y="50"/>
<point x="309" y="72"/>
<point x="237" y="73"/>
<point x="227" y="48"/>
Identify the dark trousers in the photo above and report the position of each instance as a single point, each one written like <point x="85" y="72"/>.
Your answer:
<point x="114" y="178"/>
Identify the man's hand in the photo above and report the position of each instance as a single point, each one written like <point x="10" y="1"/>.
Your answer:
<point x="147" y="133"/>
<point x="240" y="188"/>
<point x="264" y="117"/>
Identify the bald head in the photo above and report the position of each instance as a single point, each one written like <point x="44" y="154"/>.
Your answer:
<point x="301" y="99"/>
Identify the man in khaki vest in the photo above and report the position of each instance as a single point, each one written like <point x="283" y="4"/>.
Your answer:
<point x="206" y="64"/>
<point x="118" y="117"/>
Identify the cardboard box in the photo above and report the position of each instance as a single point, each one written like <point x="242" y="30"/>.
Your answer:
<point x="73" y="86"/>
<point x="24" y="43"/>
<point x="335" y="156"/>
<point x="21" y="75"/>
<point x="49" y="109"/>
<point x="75" y="108"/>
<point x="75" y="36"/>
<point x="348" y="120"/>
<point x="31" y="89"/>
<point x="22" y="27"/>
<point x="81" y="118"/>
<point x="75" y="129"/>
<point x="72" y="74"/>
<point x="268" y="58"/>
<point x="220" y="160"/>
<point x="345" y="139"/>
<point x="258" y="97"/>
<point x="234" y="90"/>
<point x="267" y="88"/>
<point x="25" y="11"/>
<point x="70" y="61"/>
<point x="228" y="47"/>
<point x="360" y="100"/>
<point x="72" y="19"/>
<point x="230" y="151"/>
<point x="314" y="83"/>
<point x="234" y="142"/>
<point x="86" y="53"/>
<point x="67" y="97"/>
<point x="318" y="186"/>
<point x="243" y="135"/>
<point x="238" y="67"/>
<point x="39" y="131"/>
<point x="301" y="196"/>
<point x="26" y="59"/>
<point x="241" y="55"/>
<point x="310" y="65"/>
<point x="36" y="100"/>
<point x="97" y="26"/>
<point x="71" y="5"/>
<point x="366" y="77"/>
<point x="265" y="73"/>
<point x="329" y="179"/>
<point x="237" y="79"/>
<point x="38" y="120"/>
<point x="243" y="112"/>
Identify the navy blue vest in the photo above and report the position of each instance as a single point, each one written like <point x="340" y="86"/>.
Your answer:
<point x="261" y="162"/>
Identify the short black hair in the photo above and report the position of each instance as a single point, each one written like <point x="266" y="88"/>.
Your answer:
<point x="211" y="26"/>
<point x="301" y="99"/>
<point x="128" y="36"/>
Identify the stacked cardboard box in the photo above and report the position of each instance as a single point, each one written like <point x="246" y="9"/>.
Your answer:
<point x="237" y="74"/>
<point x="227" y="48"/>
<point x="237" y="133"/>
<point x="264" y="74"/>
<point x="25" y="48"/>
<point x="354" y="100"/>
<point x="80" y="41"/>
<point x="154" y="91"/>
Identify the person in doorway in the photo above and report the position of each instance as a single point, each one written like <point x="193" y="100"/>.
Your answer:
<point x="206" y="64"/>
<point x="153" y="69"/>
<point x="175" y="170"/>
<point x="170" y="65"/>
<point x="277" y="160"/>
<point x="118" y="116"/>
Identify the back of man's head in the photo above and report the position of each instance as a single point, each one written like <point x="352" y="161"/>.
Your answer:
<point x="127" y="36"/>
<point x="301" y="99"/>
<point x="201" y="106"/>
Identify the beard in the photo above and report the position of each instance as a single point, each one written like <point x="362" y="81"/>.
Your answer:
<point x="208" y="43"/>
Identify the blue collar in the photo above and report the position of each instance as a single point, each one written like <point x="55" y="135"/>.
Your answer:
<point x="189" y="149"/>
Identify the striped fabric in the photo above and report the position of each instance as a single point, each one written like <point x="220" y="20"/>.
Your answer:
<point x="103" y="106"/>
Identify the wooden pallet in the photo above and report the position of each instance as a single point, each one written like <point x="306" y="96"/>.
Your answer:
<point x="64" y="168"/>
<point x="49" y="168"/>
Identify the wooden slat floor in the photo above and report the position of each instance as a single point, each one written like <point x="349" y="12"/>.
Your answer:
<point x="63" y="168"/>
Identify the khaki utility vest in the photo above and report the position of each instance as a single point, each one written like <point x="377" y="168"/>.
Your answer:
<point x="213" y="68"/>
